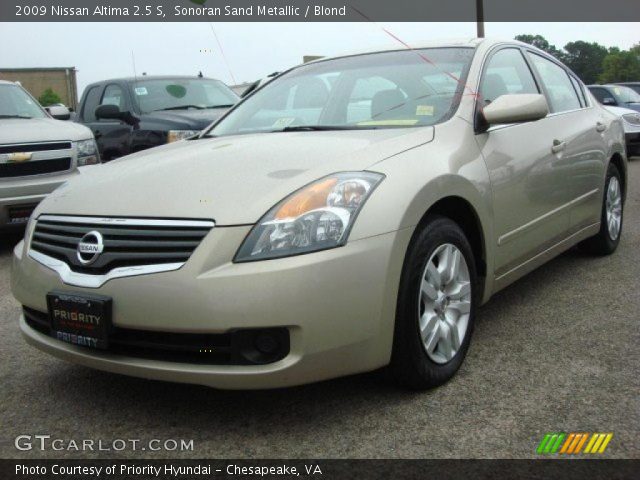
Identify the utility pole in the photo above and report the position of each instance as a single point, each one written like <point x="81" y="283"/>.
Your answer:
<point x="480" y="18"/>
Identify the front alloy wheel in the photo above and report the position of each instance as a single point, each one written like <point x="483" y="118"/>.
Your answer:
<point x="445" y="303"/>
<point x="436" y="305"/>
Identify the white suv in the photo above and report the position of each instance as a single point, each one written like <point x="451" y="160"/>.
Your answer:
<point x="37" y="152"/>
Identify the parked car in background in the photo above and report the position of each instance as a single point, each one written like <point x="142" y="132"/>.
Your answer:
<point x="631" y="123"/>
<point x="633" y="85"/>
<point x="253" y="86"/>
<point x="127" y="115"/>
<point x="616" y="96"/>
<point x="38" y="152"/>
<point x="351" y="214"/>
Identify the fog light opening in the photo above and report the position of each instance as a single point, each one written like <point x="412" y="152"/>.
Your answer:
<point x="261" y="346"/>
<point x="266" y="343"/>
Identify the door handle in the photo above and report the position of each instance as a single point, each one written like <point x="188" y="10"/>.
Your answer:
<point x="558" y="146"/>
<point x="600" y="127"/>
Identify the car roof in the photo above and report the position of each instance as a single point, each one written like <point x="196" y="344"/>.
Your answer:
<point x="399" y="45"/>
<point x="150" y="77"/>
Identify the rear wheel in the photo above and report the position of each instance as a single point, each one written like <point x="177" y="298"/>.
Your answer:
<point x="606" y="240"/>
<point x="436" y="306"/>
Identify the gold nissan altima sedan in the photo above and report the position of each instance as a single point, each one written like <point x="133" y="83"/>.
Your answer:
<point x="348" y="215"/>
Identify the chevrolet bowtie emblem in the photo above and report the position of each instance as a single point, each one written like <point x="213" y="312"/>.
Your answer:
<point x="19" y="157"/>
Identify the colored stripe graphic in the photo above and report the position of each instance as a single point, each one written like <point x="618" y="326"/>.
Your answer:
<point x="581" y="443"/>
<point x="543" y="443"/>
<point x="573" y="443"/>
<point x="566" y="445"/>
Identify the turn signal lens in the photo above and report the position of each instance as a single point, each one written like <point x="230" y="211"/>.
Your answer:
<point x="316" y="217"/>
<point x="177" y="135"/>
<point x="314" y="196"/>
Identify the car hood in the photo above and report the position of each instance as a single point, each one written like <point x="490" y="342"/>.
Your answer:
<point x="192" y="119"/>
<point x="619" y="111"/>
<point x="233" y="180"/>
<point x="21" y="130"/>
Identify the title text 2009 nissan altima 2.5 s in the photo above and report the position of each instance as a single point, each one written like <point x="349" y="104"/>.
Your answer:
<point x="351" y="214"/>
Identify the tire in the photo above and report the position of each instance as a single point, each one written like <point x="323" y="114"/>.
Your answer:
<point x="420" y="364"/>
<point x="604" y="243"/>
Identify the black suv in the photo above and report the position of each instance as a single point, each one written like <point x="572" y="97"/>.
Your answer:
<point x="131" y="114"/>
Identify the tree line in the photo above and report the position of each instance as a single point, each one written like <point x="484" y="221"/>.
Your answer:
<point x="592" y="62"/>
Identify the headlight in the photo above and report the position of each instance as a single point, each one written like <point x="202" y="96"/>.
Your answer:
<point x="316" y="217"/>
<point x="632" y="119"/>
<point x="175" y="135"/>
<point x="87" y="152"/>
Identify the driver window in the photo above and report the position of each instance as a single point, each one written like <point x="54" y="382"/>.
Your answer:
<point x="113" y="95"/>
<point x="506" y="73"/>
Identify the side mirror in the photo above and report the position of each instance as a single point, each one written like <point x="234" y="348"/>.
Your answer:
<point x="59" y="112"/>
<point x="609" y="101"/>
<point x="111" y="112"/>
<point x="516" y="108"/>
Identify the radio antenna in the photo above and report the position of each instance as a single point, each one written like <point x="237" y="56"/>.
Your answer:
<point x="224" y="57"/>
<point x="133" y="62"/>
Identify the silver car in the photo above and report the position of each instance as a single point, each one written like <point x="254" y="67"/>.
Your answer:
<point x="37" y="152"/>
<point x="631" y="124"/>
<point x="349" y="215"/>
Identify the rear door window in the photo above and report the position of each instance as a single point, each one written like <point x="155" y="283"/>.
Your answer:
<point x="579" y="90"/>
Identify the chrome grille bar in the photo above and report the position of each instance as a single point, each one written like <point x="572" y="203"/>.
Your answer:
<point x="129" y="246"/>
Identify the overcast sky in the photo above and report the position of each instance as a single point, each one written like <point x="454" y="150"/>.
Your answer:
<point x="253" y="50"/>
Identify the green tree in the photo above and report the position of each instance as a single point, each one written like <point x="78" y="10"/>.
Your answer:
<point x="540" y="42"/>
<point x="49" y="97"/>
<point x="621" y="66"/>
<point x="585" y="59"/>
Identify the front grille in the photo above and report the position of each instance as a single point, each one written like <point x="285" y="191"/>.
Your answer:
<point x="126" y="242"/>
<point x="210" y="349"/>
<point x="34" y="167"/>
<point x="35" y="147"/>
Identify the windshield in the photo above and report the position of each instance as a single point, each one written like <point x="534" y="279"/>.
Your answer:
<point x="16" y="103"/>
<point x="408" y="88"/>
<point x="177" y="94"/>
<point x="626" y="95"/>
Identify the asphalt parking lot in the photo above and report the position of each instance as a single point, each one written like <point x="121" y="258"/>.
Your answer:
<point x="557" y="351"/>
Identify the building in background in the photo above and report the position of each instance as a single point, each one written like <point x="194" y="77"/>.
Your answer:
<point x="62" y="80"/>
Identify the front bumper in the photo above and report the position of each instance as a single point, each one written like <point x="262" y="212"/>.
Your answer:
<point x="338" y="306"/>
<point x="27" y="192"/>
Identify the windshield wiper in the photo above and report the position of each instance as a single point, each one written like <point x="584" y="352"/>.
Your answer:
<point x="180" y="107"/>
<point x="16" y="116"/>
<point x="221" y="106"/>
<point x="319" y="128"/>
